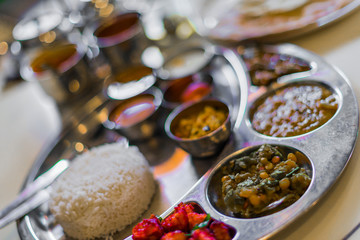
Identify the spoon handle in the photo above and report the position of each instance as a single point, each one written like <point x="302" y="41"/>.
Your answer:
<point x="24" y="208"/>
<point x="35" y="187"/>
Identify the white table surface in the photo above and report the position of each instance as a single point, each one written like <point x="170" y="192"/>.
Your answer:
<point x="29" y="120"/>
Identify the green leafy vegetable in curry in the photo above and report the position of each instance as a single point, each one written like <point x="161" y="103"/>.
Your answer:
<point x="263" y="182"/>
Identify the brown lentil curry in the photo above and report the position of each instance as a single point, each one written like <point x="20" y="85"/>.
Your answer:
<point x="266" y="68"/>
<point x="295" y="110"/>
<point x="263" y="182"/>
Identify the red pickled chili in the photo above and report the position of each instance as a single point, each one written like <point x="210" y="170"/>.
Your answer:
<point x="185" y="223"/>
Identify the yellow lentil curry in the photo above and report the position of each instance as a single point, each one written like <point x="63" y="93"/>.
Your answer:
<point x="201" y="123"/>
<point x="264" y="182"/>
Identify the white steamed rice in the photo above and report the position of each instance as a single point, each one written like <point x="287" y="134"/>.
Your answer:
<point x="104" y="190"/>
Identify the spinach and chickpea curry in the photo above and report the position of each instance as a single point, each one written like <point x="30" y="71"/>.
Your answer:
<point x="264" y="182"/>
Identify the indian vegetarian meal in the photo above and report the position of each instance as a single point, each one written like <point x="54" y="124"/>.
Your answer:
<point x="265" y="68"/>
<point x="263" y="18"/>
<point x="263" y="182"/>
<point x="57" y="58"/>
<point x="201" y="123"/>
<point x="133" y="110"/>
<point x="186" y="222"/>
<point x="186" y="89"/>
<point x="104" y="190"/>
<point x="294" y="110"/>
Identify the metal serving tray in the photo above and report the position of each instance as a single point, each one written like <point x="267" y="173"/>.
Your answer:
<point x="329" y="148"/>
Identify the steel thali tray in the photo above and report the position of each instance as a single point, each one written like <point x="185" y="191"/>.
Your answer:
<point x="329" y="149"/>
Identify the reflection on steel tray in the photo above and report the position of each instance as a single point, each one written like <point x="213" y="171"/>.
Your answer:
<point x="328" y="147"/>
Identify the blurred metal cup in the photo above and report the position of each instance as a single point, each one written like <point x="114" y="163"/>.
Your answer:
<point x="121" y="39"/>
<point x="203" y="146"/>
<point x="61" y="70"/>
<point x="130" y="82"/>
<point x="193" y="87"/>
<point x="139" y="117"/>
<point x="39" y="28"/>
<point x="184" y="59"/>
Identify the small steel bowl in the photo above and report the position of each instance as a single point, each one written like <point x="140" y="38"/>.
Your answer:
<point x="204" y="146"/>
<point x="41" y="28"/>
<point x="141" y="129"/>
<point x="183" y="60"/>
<point x="65" y="78"/>
<point x="120" y="39"/>
<point x="130" y="82"/>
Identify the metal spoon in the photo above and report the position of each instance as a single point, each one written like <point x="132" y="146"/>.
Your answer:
<point x="33" y="195"/>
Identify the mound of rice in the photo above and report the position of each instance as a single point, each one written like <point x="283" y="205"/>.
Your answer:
<point x="104" y="190"/>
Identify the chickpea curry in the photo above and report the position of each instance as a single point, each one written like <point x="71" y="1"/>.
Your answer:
<point x="263" y="182"/>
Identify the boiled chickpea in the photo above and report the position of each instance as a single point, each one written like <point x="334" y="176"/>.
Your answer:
<point x="275" y="159"/>
<point x="284" y="183"/>
<point x="264" y="175"/>
<point x="291" y="163"/>
<point x="255" y="200"/>
<point x="264" y="161"/>
<point x="246" y="192"/>
<point x="269" y="166"/>
<point x="292" y="157"/>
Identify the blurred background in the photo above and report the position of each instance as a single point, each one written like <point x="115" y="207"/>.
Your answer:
<point x="15" y="8"/>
